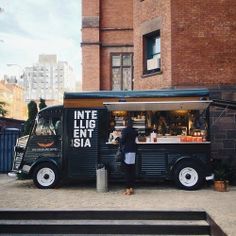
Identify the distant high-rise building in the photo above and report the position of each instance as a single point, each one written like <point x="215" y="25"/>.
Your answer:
<point x="47" y="59"/>
<point x="48" y="79"/>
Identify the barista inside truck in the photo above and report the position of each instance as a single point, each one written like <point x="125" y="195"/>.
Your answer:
<point x="114" y="136"/>
<point x="162" y="127"/>
<point x="160" y="123"/>
<point x="199" y="121"/>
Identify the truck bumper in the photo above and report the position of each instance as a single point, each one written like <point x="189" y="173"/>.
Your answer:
<point x="210" y="177"/>
<point x="12" y="174"/>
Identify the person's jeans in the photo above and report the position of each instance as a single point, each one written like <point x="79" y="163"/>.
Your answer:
<point x="129" y="175"/>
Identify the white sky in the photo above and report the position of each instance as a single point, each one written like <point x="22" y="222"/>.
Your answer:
<point x="32" y="27"/>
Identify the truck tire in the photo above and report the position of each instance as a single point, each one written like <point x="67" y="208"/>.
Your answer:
<point x="46" y="175"/>
<point x="188" y="175"/>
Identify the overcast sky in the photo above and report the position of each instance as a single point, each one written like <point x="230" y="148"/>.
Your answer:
<point x="32" y="27"/>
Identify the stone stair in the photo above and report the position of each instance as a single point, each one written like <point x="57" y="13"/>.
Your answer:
<point x="104" y="222"/>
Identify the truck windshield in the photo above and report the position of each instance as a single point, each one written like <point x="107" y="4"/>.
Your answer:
<point x="46" y="126"/>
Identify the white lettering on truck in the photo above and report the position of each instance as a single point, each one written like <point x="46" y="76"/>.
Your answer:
<point x="84" y="125"/>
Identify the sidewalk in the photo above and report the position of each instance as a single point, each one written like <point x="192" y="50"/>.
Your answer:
<point x="22" y="194"/>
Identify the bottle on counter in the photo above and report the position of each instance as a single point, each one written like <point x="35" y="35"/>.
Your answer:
<point x="153" y="136"/>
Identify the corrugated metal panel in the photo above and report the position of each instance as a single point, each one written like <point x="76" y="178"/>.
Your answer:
<point x="7" y="143"/>
<point x="83" y="166"/>
<point x="149" y="162"/>
<point x="153" y="161"/>
<point x="153" y="164"/>
<point x="107" y="157"/>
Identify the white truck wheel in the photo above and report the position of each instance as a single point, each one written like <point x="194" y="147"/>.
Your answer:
<point x="188" y="175"/>
<point x="46" y="176"/>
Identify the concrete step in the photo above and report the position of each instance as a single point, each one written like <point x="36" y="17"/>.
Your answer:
<point x="103" y="222"/>
<point x="102" y="214"/>
<point x="100" y="234"/>
<point x="111" y="222"/>
<point x="105" y="230"/>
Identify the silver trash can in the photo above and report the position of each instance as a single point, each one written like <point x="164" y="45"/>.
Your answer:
<point x="101" y="174"/>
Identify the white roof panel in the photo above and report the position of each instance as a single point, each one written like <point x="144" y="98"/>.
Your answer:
<point x="157" y="106"/>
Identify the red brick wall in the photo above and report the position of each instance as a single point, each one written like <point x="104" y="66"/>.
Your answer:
<point x="117" y="14"/>
<point x="112" y="37"/>
<point x="90" y="7"/>
<point x="90" y="35"/>
<point x="116" y="34"/>
<point x="198" y="41"/>
<point x="91" y="68"/>
<point x="203" y="42"/>
<point x="90" y="45"/>
<point x="145" y="12"/>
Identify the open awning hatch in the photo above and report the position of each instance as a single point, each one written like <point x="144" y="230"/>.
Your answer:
<point x="157" y="106"/>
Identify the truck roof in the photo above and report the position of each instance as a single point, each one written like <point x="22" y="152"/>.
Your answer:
<point x="192" y="92"/>
<point x="50" y="109"/>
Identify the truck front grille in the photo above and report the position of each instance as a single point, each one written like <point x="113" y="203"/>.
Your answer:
<point x="17" y="161"/>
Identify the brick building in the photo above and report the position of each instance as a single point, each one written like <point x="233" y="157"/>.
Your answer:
<point x="12" y="95"/>
<point x="107" y="44"/>
<point x="167" y="43"/>
<point x="155" y="44"/>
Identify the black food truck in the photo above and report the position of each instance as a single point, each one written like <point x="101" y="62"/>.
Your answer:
<point x="71" y="140"/>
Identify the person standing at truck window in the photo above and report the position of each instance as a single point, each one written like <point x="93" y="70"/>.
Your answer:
<point x="128" y="141"/>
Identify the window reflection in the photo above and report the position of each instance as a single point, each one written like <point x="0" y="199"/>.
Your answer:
<point x="45" y="126"/>
<point x="121" y="71"/>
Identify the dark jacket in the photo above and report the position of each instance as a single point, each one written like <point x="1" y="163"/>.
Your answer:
<point x="128" y="136"/>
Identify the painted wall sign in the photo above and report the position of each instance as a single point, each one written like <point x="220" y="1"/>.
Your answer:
<point x="84" y="125"/>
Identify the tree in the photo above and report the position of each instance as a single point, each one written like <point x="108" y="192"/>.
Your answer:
<point x="42" y="104"/>
<point x="32" y="112"/>
<point x="3" y="111"/>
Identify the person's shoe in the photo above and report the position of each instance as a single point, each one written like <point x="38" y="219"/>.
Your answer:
<point x="131" y="190"/>
<point x="127" y="192"/>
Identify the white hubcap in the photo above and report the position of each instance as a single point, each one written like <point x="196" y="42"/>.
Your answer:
<point x="188" y="177"/>
<point x="46" y="177"/>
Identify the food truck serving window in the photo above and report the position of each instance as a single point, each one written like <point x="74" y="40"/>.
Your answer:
<point x="154" y="120"/>
<point x="157" y="106"/>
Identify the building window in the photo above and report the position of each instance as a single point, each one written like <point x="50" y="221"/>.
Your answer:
<point x="152" y="52"/>
<point x="122" y="71"/>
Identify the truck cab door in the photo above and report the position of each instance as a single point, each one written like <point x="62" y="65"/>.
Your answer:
<point x="81" y="142"/>
<point x="45" y="140"/>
